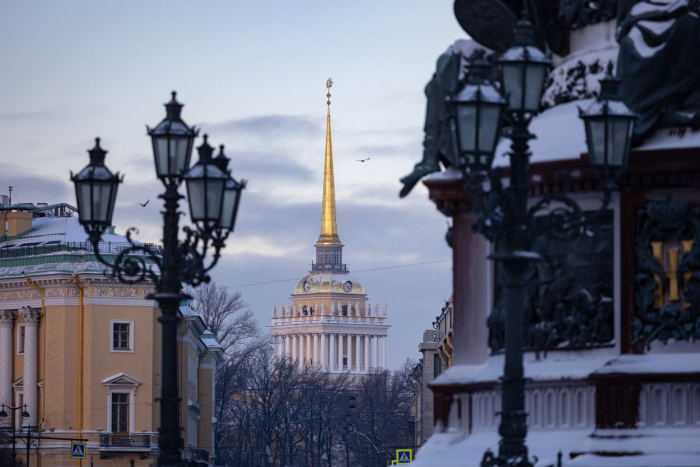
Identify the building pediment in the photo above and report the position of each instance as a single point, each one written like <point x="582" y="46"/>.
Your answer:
<point x="121" y="380"/>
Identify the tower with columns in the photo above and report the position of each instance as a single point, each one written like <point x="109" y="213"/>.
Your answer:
<point x="330" y="323"/>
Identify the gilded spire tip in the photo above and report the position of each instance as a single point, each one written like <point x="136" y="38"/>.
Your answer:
<point x="329" y="83"/>
<point x="329" y="227"/>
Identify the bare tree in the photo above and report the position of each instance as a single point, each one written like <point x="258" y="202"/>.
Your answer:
<point x="226" y="315"/>
<point x="235" y="328"/>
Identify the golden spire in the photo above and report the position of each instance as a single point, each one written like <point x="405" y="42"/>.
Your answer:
<point x="329" y="227"/>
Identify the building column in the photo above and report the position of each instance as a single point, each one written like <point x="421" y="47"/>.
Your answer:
<point x="301" y="351"/>
<point x="29" y="386"/>
<point x="341" y="351"/>
<point x="294" y="348"/>
<point x="308" y="350"/>
<point x="384" y="352"/>
<point x="334" y="351"/>
<point x="316" y="360"/>
<point x="324" y="351"/>
<point x="366" y="353"/>
<point x="358" y="354"/>
<point x="375" y="360"/>
<point x="285" y="339"/>
<point x="7" y="319"/>
<point x="471" y="292"/>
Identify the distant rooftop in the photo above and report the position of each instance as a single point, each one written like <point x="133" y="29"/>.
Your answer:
<point x="56" y="245"/>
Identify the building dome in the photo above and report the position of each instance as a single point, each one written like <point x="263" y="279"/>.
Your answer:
<point x="335" y="282"/>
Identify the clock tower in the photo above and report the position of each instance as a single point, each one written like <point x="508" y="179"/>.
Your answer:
<point x="330" y="323"/>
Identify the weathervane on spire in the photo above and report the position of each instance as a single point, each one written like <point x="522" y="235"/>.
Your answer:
<point x="329" y="83"/>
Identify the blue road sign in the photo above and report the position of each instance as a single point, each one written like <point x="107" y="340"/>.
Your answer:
<point x="404" y="456"/>
<point x="77" y="450"/>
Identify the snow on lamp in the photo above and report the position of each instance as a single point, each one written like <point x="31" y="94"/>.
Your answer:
<point x="524" y="68"/>
<point x="609" y="125"/>
<point x="478" y="111"/>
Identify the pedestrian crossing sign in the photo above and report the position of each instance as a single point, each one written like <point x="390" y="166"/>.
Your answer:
<point x="404" y="456"/>
<point x="77" y="450"/>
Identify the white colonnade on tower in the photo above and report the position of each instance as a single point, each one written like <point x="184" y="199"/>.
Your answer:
<point x="353" y="342"/>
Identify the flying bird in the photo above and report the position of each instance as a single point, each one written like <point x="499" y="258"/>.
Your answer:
<point x="362" y="160"/>
<point x="143" y="205"/>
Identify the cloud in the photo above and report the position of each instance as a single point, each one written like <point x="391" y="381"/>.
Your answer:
<point x="259" y="165"/>
<point x="31" y="188"/>
<point x="267" y="125"/>
<point x="408" y="149"/>
<point x="50" y="114"/>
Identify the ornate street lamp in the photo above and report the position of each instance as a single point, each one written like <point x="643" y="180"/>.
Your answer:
<point x="172" y="142"/>
<point x="213" y="211"/>
<point x="478" y="110"/>
<point x="507" y="219"/>
<point x="232" y="193"/>
<point x="96" y="192"/>
<point x="205" y="189"/>
<point x="609" y="124"/>
<point x="524" y="68"/>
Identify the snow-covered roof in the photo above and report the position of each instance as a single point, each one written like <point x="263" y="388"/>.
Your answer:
<point x="209" y="339"/>
<point x="573" y="367"/>
<point x="678" y="363"/>
<point x="61" y="229"/>
<point x="548" y="369"/>
<point x="57" y="240"/>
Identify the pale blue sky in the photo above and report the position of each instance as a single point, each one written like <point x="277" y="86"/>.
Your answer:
<point x="253" y="75"/>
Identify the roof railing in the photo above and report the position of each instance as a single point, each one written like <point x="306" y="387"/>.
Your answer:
<point x="46" y="248"/>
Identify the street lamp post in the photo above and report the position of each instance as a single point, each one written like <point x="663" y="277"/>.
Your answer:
<point x="213" y="197"/>
<point x="24" y="414"/>
<point x="475" y="121"/>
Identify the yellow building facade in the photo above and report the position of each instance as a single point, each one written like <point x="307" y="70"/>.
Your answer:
<point x="83" y="351"/>
<point x="330" y="323"/>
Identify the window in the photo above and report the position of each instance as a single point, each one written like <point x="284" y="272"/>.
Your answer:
<point x="120" y="413"/>
<point x="192" y="367"/>
<point x="437" y="365"/>
<point x="20" y="339"/>
<point x="337" y="258"/>
<point x="122" y="336"/>
<point x="328" y="257"/>
<point x="18" y="413"/>
<point x="345" y="361"/>
<point x="345" y="310"/>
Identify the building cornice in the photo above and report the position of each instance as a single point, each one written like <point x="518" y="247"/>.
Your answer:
<point x="59" y="288"/>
